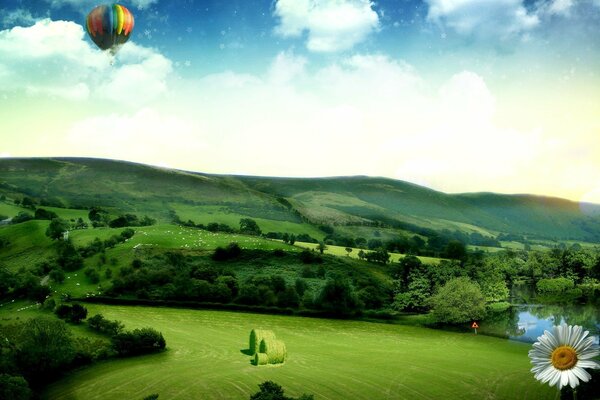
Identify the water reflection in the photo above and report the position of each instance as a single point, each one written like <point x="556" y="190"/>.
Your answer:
<point x="534" y="314"/>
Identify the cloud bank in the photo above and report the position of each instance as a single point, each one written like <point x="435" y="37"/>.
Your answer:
<point x="331" y="25"/>
<point x="52" y="58"/>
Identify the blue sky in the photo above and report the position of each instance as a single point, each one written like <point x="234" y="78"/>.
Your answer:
<point x="458" y="95"/>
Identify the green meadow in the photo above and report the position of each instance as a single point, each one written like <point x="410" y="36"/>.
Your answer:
<point x="332" y="359"/>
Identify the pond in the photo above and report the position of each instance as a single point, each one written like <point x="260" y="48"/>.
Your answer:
<point x="531" y="314"/>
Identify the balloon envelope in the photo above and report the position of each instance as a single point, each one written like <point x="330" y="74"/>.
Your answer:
<point x="109" y="26"/>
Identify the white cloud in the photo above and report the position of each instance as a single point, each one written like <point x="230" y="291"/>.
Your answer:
<point x="18" y="16"/>
<point x="498" y="18"/>
<point x="332" y="25"/>
<point x="366" y="114"/>
<point x="145" y="136"/>
<point x="53" y="58"/>
<point x="560" y="7"/>
<point x="5" y="155"/>
<point x="555" y="7"/>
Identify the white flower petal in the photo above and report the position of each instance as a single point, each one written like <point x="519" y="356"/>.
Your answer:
<point x="588" y="364"/>
<point x="555" y="379"/>
<point x="578" y="345"/>
<point x="550" y="337"/>
<point x="544" y="345"/>
<point x="581" y="373"/>
<point x="575" y="336"/>
<point x="561" y="333"/>
<point x="547" y="374"/>
<point x="573" y="380"/>
<point x="568" y="332"/>
<point x="587" y="354"/>
<point x="564" y="379"/>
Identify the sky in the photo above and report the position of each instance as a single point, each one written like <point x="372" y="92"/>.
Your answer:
<point x="457" y="95"/>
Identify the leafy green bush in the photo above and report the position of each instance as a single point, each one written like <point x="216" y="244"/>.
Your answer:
<point x="138" y="341"/>
<point x="14" y="388"/>
<point x="555" y="285"/>
<point x="458" y="301"/>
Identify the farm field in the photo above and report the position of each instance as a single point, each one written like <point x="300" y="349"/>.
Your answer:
<point x="332" y="359"/>
<point x="341" y="251"/>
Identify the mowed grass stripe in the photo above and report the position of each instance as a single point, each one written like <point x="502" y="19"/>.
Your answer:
<point x="328" y="358"/>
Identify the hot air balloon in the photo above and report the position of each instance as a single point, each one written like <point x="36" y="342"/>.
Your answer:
<point x="109" y="26"/>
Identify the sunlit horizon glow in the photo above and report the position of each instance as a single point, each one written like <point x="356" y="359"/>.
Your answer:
<point x="458" y="96"/>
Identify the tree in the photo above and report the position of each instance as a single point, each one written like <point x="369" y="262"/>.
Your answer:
<point x="14" y="388"/>
<point x="348" y="250"/>
<point x="249" y="226"/>
<point x="21" y="217"/>
<point x="44" y="347"/>
<point x="337" y="296"/>
<point x="98" y="216"/>
<point x="379" y="256"/>
<point x="321" y="247"/>
<point x="416" y="294"/>
<point x="74" y="313"/>
<point x="138" y="341"/>
<point x="41" y="213"/>
<point x="28" y="202"/>
<point x="455" y="250"/>
<point x="458" y="301"/>
<point x="56" y="228"/>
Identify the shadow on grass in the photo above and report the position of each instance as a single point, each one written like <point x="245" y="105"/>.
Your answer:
<point x="246" y="352"/>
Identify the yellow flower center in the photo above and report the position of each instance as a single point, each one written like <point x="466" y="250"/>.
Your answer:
<point x="564" y="357"/>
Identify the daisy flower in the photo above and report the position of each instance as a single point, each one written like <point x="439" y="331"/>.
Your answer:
<point x="559" y="358"/>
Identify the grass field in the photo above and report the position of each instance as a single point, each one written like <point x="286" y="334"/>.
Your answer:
<point x="341" y="251"/>
<point x="331" y="359"/>
<point x="207" y="214"/>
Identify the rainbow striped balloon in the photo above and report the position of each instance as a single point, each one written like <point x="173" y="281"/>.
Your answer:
<point x="109" y="26"/>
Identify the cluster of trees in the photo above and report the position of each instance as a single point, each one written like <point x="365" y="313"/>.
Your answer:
<point x="444" y="243"/>
<point x="416" y="282"/>
<point x="101" y="217"/>
<point x="22" y="284"/>
<point x="211" y="227"/>
<point x="173" y="276"/>
<point x="34" y="352"/>
<point x="74" y="313"/>
<point x="247" y="226"/>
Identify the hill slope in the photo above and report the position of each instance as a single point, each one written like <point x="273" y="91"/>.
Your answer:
<point x="353" y="201"/>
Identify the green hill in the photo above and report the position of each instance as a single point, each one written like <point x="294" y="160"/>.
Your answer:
<point x="295" y="205"/>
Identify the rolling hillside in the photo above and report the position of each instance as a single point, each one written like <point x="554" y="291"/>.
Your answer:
<point x="292" y="204"/>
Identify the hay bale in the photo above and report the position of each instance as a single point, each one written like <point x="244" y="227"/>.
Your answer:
<point x="275" y="350"/>
<point x="261" y="359"/>
<point x="256" y="335"/>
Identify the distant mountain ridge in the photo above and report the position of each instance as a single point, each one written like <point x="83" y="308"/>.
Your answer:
<point x="354" y="200"/>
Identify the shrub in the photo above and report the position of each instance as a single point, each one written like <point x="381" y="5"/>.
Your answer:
<point x="256" y="336"/>
<point x="138" y="341"/>
<point x="14" y="388"/>
<point x="232" y="250"/>
<point x="261" y="359"/>
<point x="271" y="391"/>
<point x="21" y="217"/>
<point x="41" y="213"/>
<point x="275" y="350"/>
<point x="74" y="313"/>
<point x="460" y="300"/>
<point x="103" y="325"/>
<point x="555" y="285"/>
